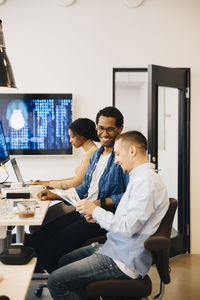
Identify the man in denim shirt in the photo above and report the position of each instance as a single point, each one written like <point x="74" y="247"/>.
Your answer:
<point x="104" y="183"/>
<point x="138" y="215"/>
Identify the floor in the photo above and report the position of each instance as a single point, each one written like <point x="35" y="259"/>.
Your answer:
<point x="185" y="280"/>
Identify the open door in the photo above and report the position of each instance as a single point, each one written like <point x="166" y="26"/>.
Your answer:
<point x="169" y="141"/>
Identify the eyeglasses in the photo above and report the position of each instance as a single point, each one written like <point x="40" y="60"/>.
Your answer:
<point x="108" y="129"/>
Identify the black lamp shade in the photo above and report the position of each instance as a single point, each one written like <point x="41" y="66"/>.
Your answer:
<point x="6" y="73"/>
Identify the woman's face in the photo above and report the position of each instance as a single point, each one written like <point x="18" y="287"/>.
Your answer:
<point x="75" y="139"/>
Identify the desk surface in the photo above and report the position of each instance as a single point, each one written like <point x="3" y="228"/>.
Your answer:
<point x="16" y="279"/>
<point x="36" y="220"/>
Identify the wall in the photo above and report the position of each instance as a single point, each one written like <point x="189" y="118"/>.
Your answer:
<point x="73" y="49"/>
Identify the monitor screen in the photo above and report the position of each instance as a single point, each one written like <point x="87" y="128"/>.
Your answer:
<point x="36" y="123"/>
<point x="4" y="156"/>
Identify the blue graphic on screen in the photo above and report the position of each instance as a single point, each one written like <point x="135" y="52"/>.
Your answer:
<point x="4" y="156"/>
<point x="37" y="124"/>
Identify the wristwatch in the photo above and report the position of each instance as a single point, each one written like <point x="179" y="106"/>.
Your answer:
<point x="103" y="202"/>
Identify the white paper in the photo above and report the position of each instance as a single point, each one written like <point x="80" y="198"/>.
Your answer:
<point x="69" y="195"/>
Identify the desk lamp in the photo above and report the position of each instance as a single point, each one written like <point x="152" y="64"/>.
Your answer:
<point x="6" y="79"/>
<point x="6" y="73"/>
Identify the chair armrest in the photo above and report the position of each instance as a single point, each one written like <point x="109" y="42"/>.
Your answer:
<point x="157" y="243"/>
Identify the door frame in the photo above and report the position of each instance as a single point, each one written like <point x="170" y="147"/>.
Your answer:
<point x="184" y="109"/>
<point x="122" y="70"/>
<point x="179" y="78"/>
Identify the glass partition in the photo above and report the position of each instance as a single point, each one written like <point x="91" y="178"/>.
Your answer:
<point x="168" y="142"/>
<point x="131" y="99"/>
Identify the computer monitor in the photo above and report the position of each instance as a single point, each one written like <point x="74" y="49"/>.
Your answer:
<point x="36" y="123"/>
<point x="4" y="156"/>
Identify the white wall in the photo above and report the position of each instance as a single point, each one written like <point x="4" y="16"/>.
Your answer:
<point x="73" y="49"/>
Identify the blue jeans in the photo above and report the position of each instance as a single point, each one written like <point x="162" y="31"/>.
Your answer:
<point x="79" y="268"/>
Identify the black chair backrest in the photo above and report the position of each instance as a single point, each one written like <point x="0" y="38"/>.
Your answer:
<point x="159" y="243"/>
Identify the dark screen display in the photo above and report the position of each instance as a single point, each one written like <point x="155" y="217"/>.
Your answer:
<point x="36" y="123"/>
<point x="4" y="156"/>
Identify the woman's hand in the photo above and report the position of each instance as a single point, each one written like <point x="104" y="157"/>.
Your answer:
<point x="40" y="182"/>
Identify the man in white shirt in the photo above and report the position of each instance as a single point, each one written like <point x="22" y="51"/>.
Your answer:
<point x="138" y="215"/>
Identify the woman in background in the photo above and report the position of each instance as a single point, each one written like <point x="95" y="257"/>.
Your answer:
<point x="82" y="133"/>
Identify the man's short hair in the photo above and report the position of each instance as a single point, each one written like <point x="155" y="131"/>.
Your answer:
<point x="112" y="112"/>
<point x="134" y="137"/>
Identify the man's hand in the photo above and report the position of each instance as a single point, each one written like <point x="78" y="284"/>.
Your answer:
<point x="89" y="219"/>
<point x="40" y="182"/>
<point x="47" y="195"/>
<point x="85" y="207"/>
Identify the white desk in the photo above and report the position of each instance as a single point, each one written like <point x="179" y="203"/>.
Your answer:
<point x="16" y="279"/>
<point x="36" y="220"/>
<point x="14" y="220"/>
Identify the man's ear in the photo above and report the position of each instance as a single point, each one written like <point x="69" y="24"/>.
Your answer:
<point x="120" y="129"/>
<point x="133" y="150"/>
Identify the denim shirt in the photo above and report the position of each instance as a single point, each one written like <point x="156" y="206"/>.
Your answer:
<point x="113" y="181"/>
<point x="137" y="217"/>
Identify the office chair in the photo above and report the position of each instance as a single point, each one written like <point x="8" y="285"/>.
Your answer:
<point x="135" y="289"/>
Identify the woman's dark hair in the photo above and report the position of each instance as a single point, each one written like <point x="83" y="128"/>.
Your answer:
<point x="85" y="127"/>
<point x="111" y="111"/>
